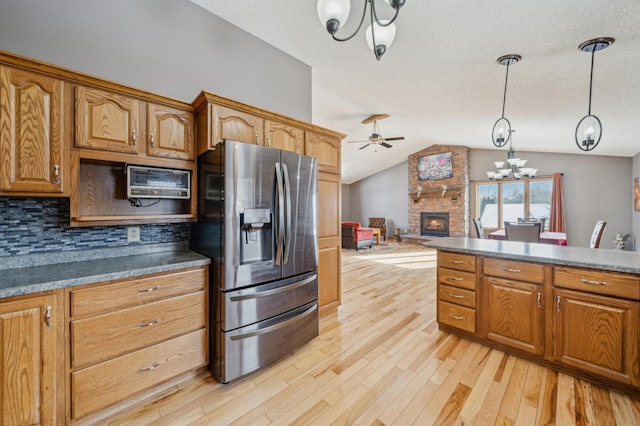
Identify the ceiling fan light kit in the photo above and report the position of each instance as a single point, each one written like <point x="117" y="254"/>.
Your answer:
<point x="502" y="128"/>
<point x="589" y="128"/>
<point x="380" y="33"/>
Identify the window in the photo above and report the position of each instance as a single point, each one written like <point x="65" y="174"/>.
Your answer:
<point x="497" y="202"/>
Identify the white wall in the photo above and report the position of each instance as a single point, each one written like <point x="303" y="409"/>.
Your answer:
<point x="173" y="48"/>
<point x="384" y="194"/>
<point x="595" y="187"/>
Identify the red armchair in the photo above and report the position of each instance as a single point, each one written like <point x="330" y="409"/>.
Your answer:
<point x="354" y="237"/>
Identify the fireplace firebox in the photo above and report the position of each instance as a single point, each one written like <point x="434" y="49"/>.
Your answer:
<point x="434" y="224"/>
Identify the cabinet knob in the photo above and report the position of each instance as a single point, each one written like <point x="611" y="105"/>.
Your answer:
<point x="56" y="174"/>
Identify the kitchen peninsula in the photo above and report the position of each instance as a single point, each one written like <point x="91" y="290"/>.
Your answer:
<point x="573" y="309"/>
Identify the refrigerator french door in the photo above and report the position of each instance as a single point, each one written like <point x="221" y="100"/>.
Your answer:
<point x="257" y="220"/>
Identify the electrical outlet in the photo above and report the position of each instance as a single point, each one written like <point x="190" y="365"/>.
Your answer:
<point x="133" y="234"/>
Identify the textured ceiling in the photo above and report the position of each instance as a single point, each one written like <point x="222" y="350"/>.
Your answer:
<point x="440" y="81"/>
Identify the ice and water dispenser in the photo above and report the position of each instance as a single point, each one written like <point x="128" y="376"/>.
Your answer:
<point x="256" y="235"/>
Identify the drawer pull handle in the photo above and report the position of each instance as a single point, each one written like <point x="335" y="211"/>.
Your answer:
<point x="153" y="140"/>
<point x="458" y="317"/>
<point x="458" y="262"/>
<point x="455" y="278"/>
<point x="56" y="174"/>
<point x="586" y="281"/>
<point x="539" y="298"/>
<point x="146" y="290"/>
<point x="148" y="324"/>
<point x="153" y="367"/>
<point x="558" y="303"/>
<point x="47" y="316"/>
<point x="457" y="296"/>
<point x="134" y="137"/>
<point x="516" y="271"/>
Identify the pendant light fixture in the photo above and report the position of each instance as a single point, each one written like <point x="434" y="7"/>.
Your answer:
<point x="379" y="35"/>
<point x="589" y="128"/>
<point x="502" y="128"/>
<point x="513" y="166"/>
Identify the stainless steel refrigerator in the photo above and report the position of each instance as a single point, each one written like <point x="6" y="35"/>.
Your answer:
<point x="257" y="221"/>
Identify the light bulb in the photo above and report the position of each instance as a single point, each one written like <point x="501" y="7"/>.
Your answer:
<point x="330" y="11"/>
<point x="588" y="134"/>
<point x="384" y="36"/>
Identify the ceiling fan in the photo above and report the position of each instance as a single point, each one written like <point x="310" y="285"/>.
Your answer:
<point x="376" y="138"/>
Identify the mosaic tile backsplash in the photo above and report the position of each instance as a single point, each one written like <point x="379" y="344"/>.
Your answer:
<point x="39" y="225"/>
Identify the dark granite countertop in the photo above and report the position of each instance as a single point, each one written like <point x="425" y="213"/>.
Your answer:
<point x="608" y="260"/>
<point x="34" y="276"/>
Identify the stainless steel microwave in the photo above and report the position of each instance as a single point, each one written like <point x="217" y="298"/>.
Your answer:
<point x="152" y="182"/>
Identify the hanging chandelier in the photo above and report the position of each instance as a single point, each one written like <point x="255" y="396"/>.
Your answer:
<point x="502" y="128"/>
<point x="589" y="128"/>
<point x="513" y="166"/>
<point x="379" y="35"/>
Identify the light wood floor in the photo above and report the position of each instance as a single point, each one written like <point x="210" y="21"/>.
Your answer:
<point x="380" y="359"/>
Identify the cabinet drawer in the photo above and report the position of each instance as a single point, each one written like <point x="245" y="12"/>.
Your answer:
<point x="457" y="316"/>
<point x="606" y="283"/>
<point x="462" y="262"/>
<point x="101" y="337"/>
<point x="457" y="296"/>
<point x="121" y="294"/>
<point x="104" y="384"/>
<point x="457" y="278"/>
<point x="521" y="271"/>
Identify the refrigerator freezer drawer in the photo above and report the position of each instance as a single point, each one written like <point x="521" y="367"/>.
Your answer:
<point x="254" y="304"/>
<point x="257" y="345"/>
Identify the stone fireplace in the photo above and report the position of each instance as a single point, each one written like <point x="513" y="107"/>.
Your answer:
<point x="447" y="195"/>
<point x="434" y="224"/>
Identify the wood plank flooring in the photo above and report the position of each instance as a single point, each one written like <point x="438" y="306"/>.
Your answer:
<point x="380" y="359"/>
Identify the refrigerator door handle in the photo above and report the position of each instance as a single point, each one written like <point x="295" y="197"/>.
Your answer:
<point x="280" y="214"/>
<point x="287" y="229"/>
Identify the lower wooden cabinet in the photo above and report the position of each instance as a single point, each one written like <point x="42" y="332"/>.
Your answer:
<point x="31" y="360"/>
<point x="598" y="334"/>
<point x="514" y="314"/>
<point x="130" y="335"/>
<point x="582" y="321"/>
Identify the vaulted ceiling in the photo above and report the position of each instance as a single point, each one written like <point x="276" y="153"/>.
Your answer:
<point x="440" y="82"/>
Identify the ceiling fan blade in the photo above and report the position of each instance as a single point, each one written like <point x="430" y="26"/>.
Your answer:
<point x="357" y="141"/>
<point x="375" y="117"/>
<point x="386" y="145"/>
<point x="398" y="138"/>
<point x="363" y="147"/>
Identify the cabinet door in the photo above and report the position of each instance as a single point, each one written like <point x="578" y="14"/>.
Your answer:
<point x="514" y="314"/>
<point x="106" y="121"/>
<point x="281" y="136"/>
<point x="32" y="132"/>
<point x="329" y="289"/>
<point x="235" y="125"/>
<point x="598" y="334"/>
<point x="325" y="149"/>
<point x="28" y="361"/>
<point x="169" y="132"/>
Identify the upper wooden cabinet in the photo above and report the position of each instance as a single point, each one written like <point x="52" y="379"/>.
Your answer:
<point x="171" y="132"/>
<point x="282" y="136"/>
<point x="326" y="149"/>
<point x="112" y="122"/>
<point x="34" y="112"/>
<point x="228" y="123"/>
<point x="31" y="363"/>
